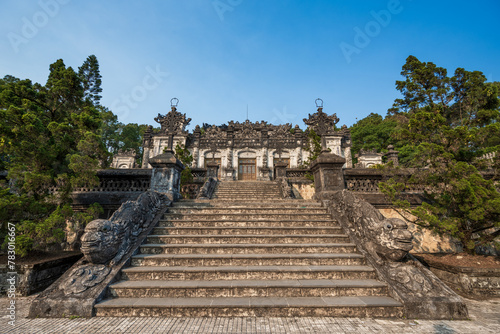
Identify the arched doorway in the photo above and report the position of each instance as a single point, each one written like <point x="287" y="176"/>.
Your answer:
<point x="247" y="166"/>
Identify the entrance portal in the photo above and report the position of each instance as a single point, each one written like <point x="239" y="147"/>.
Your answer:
<point x="246" y="170"/>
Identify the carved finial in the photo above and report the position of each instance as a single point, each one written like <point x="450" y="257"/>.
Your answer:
<point x="319" y="104"/>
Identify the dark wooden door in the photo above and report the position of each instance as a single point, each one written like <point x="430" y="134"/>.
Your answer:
<point x="247" y="170"/>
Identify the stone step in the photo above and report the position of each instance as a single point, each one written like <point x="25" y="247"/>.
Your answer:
<point x="237" y="185"/>
<point x="248" y="288"/>
<point x="248" y="223"/>
<point x="363" y="306"/>
<point x="243" y="192"/>
<point x="289" y="203"/>
<point x="262" y="210"/>
<point x="247" y="248"/>
<point x="247" y="192"/>
<point x="248" y="272"/>
<point x="318" y="259"/>
<point x="230" y="230"/>
<point x="243" y="216"/>
<point x="247" y="239"/>
<point x="246" y="196"/>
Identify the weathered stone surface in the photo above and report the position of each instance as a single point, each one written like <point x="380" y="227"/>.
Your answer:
<point x="166" y="176"/>
<point x="32" y="278"/>
<point x="107" y="246"/>
<point x="385" y="243"/>
<point x="467" y="281"/>
<point x="285" y="188"/>
<point x="328" y="175"/>
<point x="207" y="191"/>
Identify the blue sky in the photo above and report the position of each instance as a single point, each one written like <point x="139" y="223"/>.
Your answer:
<point x="276" y="56"/>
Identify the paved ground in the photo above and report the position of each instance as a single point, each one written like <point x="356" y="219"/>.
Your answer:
<point x="485" y="318"/>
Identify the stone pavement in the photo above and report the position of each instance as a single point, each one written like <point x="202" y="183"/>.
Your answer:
<point x="485" y="318"/>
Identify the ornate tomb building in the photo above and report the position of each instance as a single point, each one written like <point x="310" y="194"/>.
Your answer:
<point x="246" y="151"/>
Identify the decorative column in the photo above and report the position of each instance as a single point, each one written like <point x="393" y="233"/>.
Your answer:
<point x="213" y="170"/>
<point x="299" y="141"/>
<point x="146" y="144"/>
<point x="392" y="155"/>
<point x="229" y="169"/>
<point x="328" y="174"/>
<point x="166" y="176"/>
<point x="348" y="157"/>
<point x="196" y="147"/>
<point x="280" y="169"/>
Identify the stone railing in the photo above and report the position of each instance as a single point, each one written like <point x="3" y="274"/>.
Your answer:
<point x="199" y="174"/>
<point x="362" y="179"/>
<point x="119" y="180"/>
<point x="367" y="179"/>
<point x="190" y="191"/>
<point x="296" y="172"/>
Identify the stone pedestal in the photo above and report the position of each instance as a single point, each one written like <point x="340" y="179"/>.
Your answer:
<point x="213" y="170"/>
<point x="166" y="176"/>
<point x="228" y="174"/>
<point x="280" y="169"/>
<point x="265" y="174"/>
<point x="328" y="175"/>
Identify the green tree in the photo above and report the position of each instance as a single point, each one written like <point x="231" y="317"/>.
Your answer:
<point x="450" y="123"/>
<point x="314" y="148"/>
<point x="186" y="158"/>
<point x="373" y="133"/>
<point x="121" y="137"/>
<point x="48" y="139"/>
<point x="90" y="78"/>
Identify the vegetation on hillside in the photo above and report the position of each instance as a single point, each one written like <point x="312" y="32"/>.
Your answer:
<point x="54" y="136"/>
<point x="449" y="123"/>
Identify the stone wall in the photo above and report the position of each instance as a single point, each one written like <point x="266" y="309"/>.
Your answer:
<point x="424" y="241"/>
<point x="32" y="278"/>
<point x="303" y="190"/>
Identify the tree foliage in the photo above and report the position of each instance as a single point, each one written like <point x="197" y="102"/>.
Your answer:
<point x="48" y="138"/>
<point x="373" y="133"/>
<point x="118" y="136"/>
<point x="450" y="123"/>
<point x="90" y="78"/>
<point x="314" y="148"/>
<point x="183" y="154"/>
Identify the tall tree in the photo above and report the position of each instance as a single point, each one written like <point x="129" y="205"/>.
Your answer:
<point x="451" y="123"/>
<point x="48" y="139"/>
<point x="90" y="78"/>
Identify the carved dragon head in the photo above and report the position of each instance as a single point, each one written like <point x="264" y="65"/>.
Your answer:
<point x="102" y="240"/>
<point x="392" y="237"/>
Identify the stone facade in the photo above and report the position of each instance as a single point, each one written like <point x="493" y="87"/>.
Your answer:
<point x="368" y="158"/>
<point x="248" y="150"/>
<point x="124" y="160"/>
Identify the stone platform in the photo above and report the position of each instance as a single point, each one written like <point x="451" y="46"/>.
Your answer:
<point x="484" y="318"/>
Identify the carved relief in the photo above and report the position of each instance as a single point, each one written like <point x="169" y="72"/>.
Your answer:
<point x="386" y="239"/>
<point x="105" y="242"/>
<point x="322" y="123"/>
<point x="173" y="123"/>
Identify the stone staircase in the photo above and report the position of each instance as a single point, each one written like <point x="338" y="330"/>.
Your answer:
<point x="261" y="256"/>
<point x="244" y="190"/>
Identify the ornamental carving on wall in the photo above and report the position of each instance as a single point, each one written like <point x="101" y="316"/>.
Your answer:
<point x="173" y="123"/>
<point x="322" y="123"/>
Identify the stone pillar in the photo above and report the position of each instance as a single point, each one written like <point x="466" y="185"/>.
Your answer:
<point x="264" y="174"/>
<point x="392" y="155"/>
<point x="213" y="170"/>
<point x="348" y="157"/>
<point x="166" y="176"/>
<point x="328" y="174"/>
<point x="145" y="158"/>
<point x="280" y="169"/>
